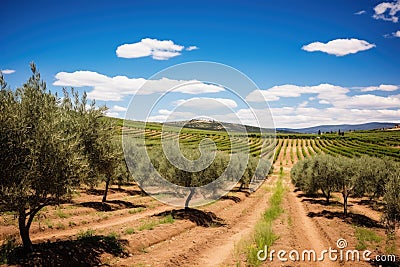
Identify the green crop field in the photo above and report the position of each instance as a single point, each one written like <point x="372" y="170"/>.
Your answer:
<point x="352" y="144"/>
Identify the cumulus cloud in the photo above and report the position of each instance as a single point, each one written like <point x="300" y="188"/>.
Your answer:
<point x="387" y="11"/>
<point x="118" y="108"/>
<point x="157" y="49"/>
<point x="396" y="34"/>
<point x="117" y="87"/>
<point x="323" y="91"/>
<point x="339" y="47"/>
<point x="360" y="12"/>
<point x="191" y="48"/>
<point x="7" y="71"/>
<point x="206" y="103"/>
<point x="116" y="111"/>
<point x="324" y="102"/>
<point x="334" y="96"/>
<point x="382" y="87"/>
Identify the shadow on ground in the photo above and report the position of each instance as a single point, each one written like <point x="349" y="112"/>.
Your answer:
<point x="110" y="205"/>
<point x="373" y="204"/>
<point x="322" y="202"/>
<point x="245" y="191"/>
<point x="233" y="198"/>
<point x="85" y="251"/>
<point x="352" y="218"/>
<point x="131" y="192"/>
<point x="199" y="217"/>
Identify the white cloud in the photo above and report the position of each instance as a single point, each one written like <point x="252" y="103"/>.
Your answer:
<point x="117" y="87"/>
<point x="191" y="48"/>
<point x="382" y="87"/>
<point x="336" y="95"/>
<point x="339" y="47"/>
<point x="157" y="49"/>
<point x="303" y="104"/>
<point x="167" y="115"/>
<point x="387" y="11"/>
<point x="118" y="108"/>
<point x="7" y="71"/>
<point x="323" y="91"/>
<point x="369" y="102"/>
<point x="360" y="12"/>
<point x="396" y="34"/>
<point x="113" y="114"/>
<point x="206" y="103"/>
<point x="116" y="111"/>
<point x="324" y="102"/>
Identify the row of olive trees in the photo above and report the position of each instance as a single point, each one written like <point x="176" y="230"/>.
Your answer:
<point x="181" y="168"/>
<point x="364" y="176"/>
<point x="48" y="146"/>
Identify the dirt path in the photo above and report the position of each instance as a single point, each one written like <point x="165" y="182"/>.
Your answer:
<point x="303" y="227"/>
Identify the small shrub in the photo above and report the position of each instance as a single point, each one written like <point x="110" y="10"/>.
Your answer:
<point x="133" y="211"/>
<point x="86" y="234"/>
<point x="60" y="226"/>
<point x="129" y="231"/>
<point x="61" y="214"/>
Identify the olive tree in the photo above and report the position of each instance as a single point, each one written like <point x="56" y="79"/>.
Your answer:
<point x="183" y="176"/>
<point x="40" y="157"/>
<point x="48" y="146"/>
<point x="96" y="137"/>
<point x="392" y="199"/>
<point x="324" y="173"/>
<point x="301" y="178"/>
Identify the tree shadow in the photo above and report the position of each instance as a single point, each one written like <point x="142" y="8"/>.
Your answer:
<point x="96" y="192"/>
<point x="322" y="202"/>
<point x="131" y="192"/>
<point x="199" y="217"/>
<point x="85" y="251"/>
<point x="352" y="218"/>
<point x="373" y="204"/>
<point x="233" y="198"/>
<point x="309" y="195"/>
<point x="244" y="191"/>
<point x="110" y="205"/>
<point x="135" y="192"/>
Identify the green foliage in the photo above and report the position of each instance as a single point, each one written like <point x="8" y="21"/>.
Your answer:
<point x="86" y="234"/>
<point x="137" y="210"/>
<point x="61" y="214"/>
<point x="392" y="199"/>
<point x="365" y="237"/>
<point x="149" y="225"/>
<point x="129" y="231"/>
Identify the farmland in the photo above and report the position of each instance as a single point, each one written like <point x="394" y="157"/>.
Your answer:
<point x="150" y="233"/>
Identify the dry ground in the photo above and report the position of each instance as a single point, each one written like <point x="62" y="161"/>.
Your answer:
<point x="211" y="235"/>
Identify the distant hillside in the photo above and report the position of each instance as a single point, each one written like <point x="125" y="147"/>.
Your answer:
<point x="215" y="126"/>
<point x="343" y="127"/>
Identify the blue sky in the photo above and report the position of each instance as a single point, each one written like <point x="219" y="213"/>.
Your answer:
<point x="316" y="62"/>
